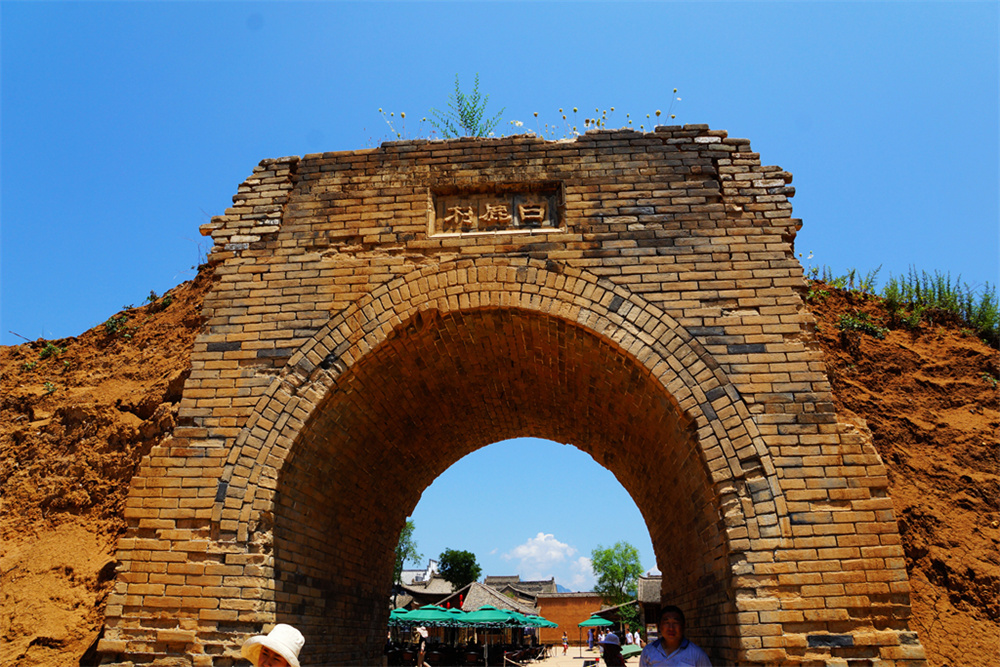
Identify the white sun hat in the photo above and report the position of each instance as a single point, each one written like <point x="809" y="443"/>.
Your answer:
<point x="283" y="639"/>
<point x="611" y="638"/>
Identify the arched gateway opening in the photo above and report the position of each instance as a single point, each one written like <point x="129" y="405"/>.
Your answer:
<point x="438" y="389"/>
<point x="380" y="314"/>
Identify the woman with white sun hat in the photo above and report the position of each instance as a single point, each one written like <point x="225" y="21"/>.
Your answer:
<point x="278" y="648"/>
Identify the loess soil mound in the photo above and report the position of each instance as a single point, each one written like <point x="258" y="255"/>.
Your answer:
<point x="76" y="416"/>
<point x="929" y="397"/>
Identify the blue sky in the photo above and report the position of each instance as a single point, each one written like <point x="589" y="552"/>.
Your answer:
<point x="126" y="125"/>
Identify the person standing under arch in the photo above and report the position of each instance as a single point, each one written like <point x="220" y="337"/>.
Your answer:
<point x="672" y="649"/>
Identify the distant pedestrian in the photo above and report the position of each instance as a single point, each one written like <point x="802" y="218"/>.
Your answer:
<point x="421" y="645"/>
<point x="565" y="643"/>
<point x="590" y="639"/>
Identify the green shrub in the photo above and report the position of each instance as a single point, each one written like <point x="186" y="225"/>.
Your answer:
<point x="465" y="118"/>
<point x="115" y="324"/>
<point x="50" y="350"/>
<point x="816" y="295"/>
<point x="862" y="323"/>
<point x="935" y="295"/>
<point x="851" y="281"/>
<point x="118" y="325"/>
<point x="920" y="296"/>
<point x="156" y="304"/>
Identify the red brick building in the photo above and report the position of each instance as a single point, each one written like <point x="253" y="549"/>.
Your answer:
<point x="568" y="610"/>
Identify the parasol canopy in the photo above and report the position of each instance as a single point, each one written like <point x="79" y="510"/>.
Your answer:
<point x="458" y="616"/>
<point x="595" y="621"/>
<point x="488" y="615"/>
<point x="430" y="614"/>
<point x="541" y="622"/>
<point x="631" y="649"/>
<point x="517" y="618"/>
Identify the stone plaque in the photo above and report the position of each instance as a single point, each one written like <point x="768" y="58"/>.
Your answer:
<point x="495" y="208"/>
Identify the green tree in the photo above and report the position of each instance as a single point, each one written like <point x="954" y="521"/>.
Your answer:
<point x="458" y="567"/>
<point x="618" y="570"/>
<point x="406" y="550"/>
<point x="630" y="616"/>
<point x="465" y="118"/>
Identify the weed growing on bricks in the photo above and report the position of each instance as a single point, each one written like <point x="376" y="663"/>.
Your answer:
<point x="466" y="117"/>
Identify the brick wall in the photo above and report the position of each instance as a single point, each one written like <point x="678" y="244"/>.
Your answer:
<point x="568" y="610"/>
<point x="382" y="313"/>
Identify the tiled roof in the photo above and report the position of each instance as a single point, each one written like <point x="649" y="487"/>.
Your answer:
<point x="435" y="586"/>
<point x="476" y="595"/>
<point x="543" y="586"/>
<point x="649" y="590"/>
<point x="530" y="587"/>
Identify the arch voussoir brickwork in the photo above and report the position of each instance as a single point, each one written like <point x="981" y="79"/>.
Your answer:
<point x="673" y="360"/>
<point x="364" y="326"/>
<point x="380" y="314"/>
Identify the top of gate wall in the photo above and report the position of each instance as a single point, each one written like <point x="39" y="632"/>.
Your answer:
<point x="685" y="216"/>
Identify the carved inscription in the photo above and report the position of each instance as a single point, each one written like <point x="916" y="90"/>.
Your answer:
<point x="495" y="208"/>
<point x="460" y="217"/>
<point x="498" y="214"/>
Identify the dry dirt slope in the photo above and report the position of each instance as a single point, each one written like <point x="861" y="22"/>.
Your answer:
<point x="74" y="425"/>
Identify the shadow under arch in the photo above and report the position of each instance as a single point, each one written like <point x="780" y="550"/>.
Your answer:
<point x="435" y="365"/>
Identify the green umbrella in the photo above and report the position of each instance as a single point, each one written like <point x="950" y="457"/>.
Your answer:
<point x="595" y="621"/>
<point x="540" y="622"/>
<point x="398" y="616"/>
<point x="458" y="616"/>
<point x="430" y="614"/>
<point x="517" y="618"/>
<point x="631" y="649"/>
<point x="488" y="615"/>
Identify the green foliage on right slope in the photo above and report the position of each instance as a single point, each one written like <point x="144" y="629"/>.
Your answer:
<point x="922" y="297"/>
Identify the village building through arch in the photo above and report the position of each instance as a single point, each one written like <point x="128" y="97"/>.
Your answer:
<point x="380" y="314"/>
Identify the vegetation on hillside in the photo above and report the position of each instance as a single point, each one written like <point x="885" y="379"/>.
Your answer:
<point x="914" y="299"/>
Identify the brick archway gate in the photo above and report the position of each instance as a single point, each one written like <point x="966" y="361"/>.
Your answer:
<point x="448" y="380"/>
<point x="381" y="314"/>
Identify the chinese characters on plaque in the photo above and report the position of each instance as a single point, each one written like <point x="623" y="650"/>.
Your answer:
<point x="458" y="213"/>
